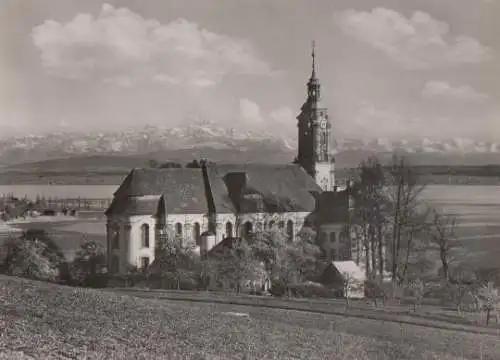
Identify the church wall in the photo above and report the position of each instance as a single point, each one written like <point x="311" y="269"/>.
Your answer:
<point x="263" y="221"/>
<point x="188" y="223"/>
<point x="221" y="221"/>
<point x="130" y="250"/>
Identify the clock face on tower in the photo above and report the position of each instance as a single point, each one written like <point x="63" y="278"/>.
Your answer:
<point x="323" y="124"/>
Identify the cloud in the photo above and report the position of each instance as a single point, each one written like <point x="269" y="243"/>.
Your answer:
<point x="119" y="44"/>
<point x="283" y="116"/>
<point x="441" y="89"/>
<point x="278" y="121"/>
<point x="418" y="42"/>
<point x="250" y="112"/>
<point x="390" y="123"/>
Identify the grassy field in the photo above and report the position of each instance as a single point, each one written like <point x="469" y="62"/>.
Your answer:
<point x="43" y="321"/>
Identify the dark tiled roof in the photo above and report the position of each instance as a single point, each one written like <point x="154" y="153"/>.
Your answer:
<point x="139" y="205"/>
<point x="183" y="190"/>
<point x="222" y="202"/>
<point x="288" y="186"/>
<point x="285" y="186"/>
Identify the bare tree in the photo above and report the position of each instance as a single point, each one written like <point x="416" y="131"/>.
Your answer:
<point x="443" y="240"/>
<point x="488" y="297"/>
<point x="347" y="287"/>
<point x="403" y="191"/>
<point x="369" y="217"/>
<point x="388" y="219"/>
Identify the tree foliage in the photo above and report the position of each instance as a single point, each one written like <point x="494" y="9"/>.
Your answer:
<point x="174" y="260"/>
<point x="286" y="262"/>
<point x="237" y="267"/>
<point x="89" y="263"/>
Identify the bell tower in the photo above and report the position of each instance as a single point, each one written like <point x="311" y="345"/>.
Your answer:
<point x="314" y="153"/>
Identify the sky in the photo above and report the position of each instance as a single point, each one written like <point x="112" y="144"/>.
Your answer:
<point x="389" y="68"/>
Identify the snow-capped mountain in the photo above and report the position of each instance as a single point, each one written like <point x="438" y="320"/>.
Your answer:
<point x="210" y="136"/>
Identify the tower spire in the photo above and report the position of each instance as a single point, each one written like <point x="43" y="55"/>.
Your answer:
<point x="313" y="55"/>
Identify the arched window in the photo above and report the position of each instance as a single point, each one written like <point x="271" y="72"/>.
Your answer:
<point x="145" y="235"/>
<point x="229" y="229"/>
<point x="178" y="229"/>
<point x="196" y="233"/>
<point x="271" y="224"/>
<point x="247" y="229"/>
<point x="289" y="230"/>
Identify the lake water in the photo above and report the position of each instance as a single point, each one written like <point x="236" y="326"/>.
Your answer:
<point x="60" y="191"/>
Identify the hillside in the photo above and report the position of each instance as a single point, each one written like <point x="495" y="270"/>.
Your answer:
<point x="111" y="169"/>
<point x="44" y="321"/>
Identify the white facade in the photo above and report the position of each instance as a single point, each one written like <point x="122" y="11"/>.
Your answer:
<point x="132" y="240"/>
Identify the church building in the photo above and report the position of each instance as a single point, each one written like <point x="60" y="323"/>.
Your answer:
<point x="217" y="201"/>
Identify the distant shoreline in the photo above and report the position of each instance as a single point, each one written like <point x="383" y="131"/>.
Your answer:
<point x="432" y="175"/>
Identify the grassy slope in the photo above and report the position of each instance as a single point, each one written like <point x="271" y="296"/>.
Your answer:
<point x="52" y="322"/>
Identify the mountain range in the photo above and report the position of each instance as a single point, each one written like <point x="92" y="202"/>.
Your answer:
<point x="226" y="144"/>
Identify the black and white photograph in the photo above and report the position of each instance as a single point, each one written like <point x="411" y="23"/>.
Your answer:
<point x="249" y="179"/>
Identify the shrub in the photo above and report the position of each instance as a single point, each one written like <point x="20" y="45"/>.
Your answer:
<point x="376" y="289"/>
<point x="26" y="258"/>
<point x="313" y="290"/>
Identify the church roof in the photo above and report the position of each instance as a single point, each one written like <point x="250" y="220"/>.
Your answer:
<point x="185" y="191"/>
<point x="287" y="186"/>
<point x="138" y="205"/>
<point x="182" y="188"/>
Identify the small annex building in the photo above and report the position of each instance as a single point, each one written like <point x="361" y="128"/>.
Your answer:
<point x="345" y="277"/>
